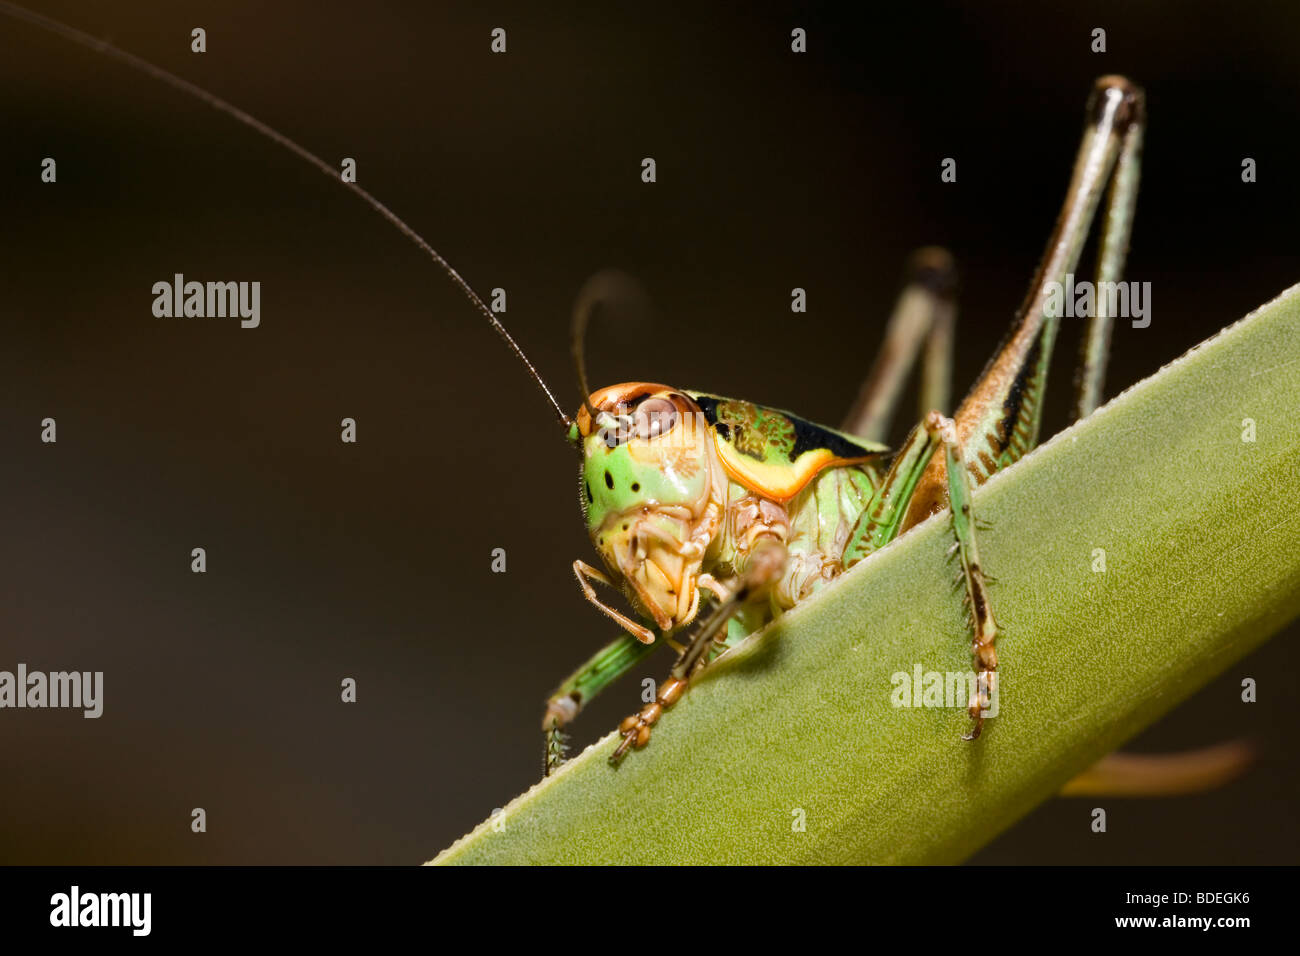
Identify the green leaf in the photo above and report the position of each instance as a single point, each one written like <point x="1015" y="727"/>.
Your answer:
<point x="1201" y="535"/>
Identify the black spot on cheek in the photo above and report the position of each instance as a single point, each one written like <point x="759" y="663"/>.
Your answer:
<point x="587" y="485"/>
<point x="636" y="486"/>
<point x="609" y="480"/>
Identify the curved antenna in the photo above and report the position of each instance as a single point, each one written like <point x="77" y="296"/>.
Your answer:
<point x="216" y="102"/>
<point x="605" y="287"/>
<point x="582" y="312"/>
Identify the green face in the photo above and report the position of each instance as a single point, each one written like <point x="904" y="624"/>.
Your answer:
<point x="649" y="460"/>
<point x="615" y="482"/>
<point x="646" y="479"/>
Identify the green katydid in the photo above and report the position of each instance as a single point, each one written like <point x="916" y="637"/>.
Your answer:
<point x="687" y="493"/>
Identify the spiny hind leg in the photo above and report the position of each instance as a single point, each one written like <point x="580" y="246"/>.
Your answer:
<point x="880" y="523"/>
<point x="972" y="572"/>
<point x="1116" y="230"/>
<point x="763" y="568"/>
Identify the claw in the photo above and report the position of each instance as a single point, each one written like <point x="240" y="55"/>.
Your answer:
<point x="979" y="702"/>
<point x="977" y="705"/>
<point x="636" y="733"/>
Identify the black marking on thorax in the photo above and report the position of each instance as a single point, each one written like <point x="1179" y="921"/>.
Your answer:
<point x="808" y="436"/>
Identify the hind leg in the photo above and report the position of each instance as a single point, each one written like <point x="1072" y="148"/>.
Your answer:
<point x="926" y="312"/>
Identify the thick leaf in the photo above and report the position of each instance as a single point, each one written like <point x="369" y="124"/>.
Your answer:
<point x="1201" y="534"/>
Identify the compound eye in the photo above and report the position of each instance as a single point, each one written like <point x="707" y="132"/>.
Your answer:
<point x="655" y="417"/>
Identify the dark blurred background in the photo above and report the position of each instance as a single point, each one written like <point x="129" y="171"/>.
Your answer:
<point x="372" y="560"/>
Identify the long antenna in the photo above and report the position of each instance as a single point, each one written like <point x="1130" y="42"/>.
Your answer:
<point x="582" y="312"/>
<point x="609" y="286"/>
<point x="216" y="102"/>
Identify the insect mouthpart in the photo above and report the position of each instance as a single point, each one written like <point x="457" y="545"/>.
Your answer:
<point x="651" y="549"/>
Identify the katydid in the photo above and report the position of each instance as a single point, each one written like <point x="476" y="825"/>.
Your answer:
<point x="715" y="514"/>
<point x="687" y="492"/>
